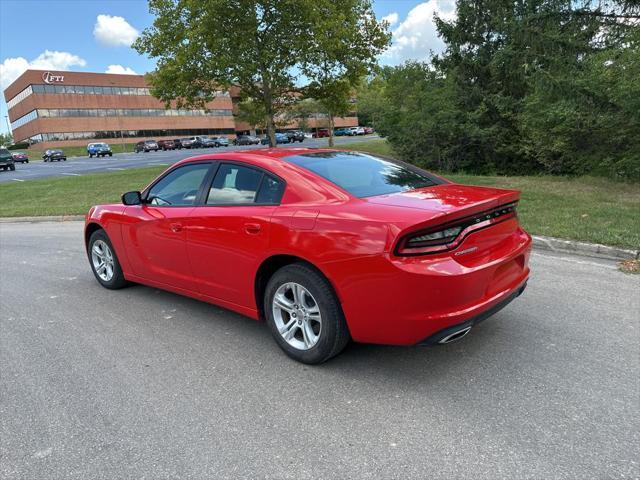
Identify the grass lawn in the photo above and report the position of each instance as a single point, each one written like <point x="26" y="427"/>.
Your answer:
<point x="588" y="209"/>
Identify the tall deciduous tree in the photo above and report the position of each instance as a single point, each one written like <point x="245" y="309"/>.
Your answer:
<point x="265" y="47"/>
<point x="344" y="44"/>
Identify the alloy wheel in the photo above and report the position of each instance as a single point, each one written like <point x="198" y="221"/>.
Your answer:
<point x="102" y="259"/>
<point x="297" y="316"/>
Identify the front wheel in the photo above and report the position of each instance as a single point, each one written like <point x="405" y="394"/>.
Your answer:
<point x="12" y="167"/>
<point x="304" y="315"/>
<point x="104" y="261"/>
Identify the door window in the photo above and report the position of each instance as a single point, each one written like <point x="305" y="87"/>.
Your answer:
<point x="271" y="190"/>
<point x="180" y="187"/>
<point x="234" y="184"/>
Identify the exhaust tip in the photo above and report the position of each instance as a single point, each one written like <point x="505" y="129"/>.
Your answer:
<point x="457" y="335"/>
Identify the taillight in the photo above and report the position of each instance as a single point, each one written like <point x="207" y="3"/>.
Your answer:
<point x="450" y="235"/>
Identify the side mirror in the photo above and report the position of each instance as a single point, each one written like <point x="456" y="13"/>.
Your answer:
<point x="132" y="198"/>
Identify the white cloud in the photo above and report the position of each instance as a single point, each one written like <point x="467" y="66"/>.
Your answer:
<point x="119" y="69"/>
<point x="114" y="31"/>
<point x="392" y="18"/>
<point x="417" y="35"/>
<point x="12" y="68"/>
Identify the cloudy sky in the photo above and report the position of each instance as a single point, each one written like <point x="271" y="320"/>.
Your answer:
<point x="95" y="36"/>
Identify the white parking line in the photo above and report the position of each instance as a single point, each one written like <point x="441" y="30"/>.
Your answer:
<point x="115" y="168"/>
<point x="17" y="180"/>
<point x="71" y="174"/>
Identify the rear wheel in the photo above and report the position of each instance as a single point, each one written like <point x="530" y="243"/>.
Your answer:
<point x="12" y="167"/>
<point x="304" y="315"/>
<point x="104" y="261"/>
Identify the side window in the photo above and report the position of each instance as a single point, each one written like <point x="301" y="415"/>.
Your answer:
<point x="234" y="184"/>
<point x="271" y="190"/>
<point x="180" y="187"/>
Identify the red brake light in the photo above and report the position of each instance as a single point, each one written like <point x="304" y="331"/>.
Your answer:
<point x="450" y="235"/>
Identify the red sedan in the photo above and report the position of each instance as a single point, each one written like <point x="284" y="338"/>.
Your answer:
<point x="324" y="245"/>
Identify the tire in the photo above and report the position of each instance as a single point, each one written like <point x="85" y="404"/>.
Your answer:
<point x="332" y="335"/>
<point x="12" y="168"/>
<point x="110" y="154"/>
<point x="117" y="280"/>
<point x="91" y="155"/>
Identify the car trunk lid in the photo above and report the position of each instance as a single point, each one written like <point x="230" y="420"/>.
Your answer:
<point x="460" y="211"/>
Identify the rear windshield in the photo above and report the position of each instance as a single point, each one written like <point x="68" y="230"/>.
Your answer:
<point x="364" y="175"/>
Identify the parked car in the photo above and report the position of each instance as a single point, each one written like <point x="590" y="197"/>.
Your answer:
<point x="321" y="133"/>
<point x="190" y="142"/>
<point x="177" y="143"/>
<point x="246" y="140"/>
<point x="368" y="130"/>
<point x="220" y="141"/>
<point x="206" y="142"/>
<point x="356" y="131"/>
<point x="6" y="160"/>
<point x="99" y="150"/>
<point x="340" y="132"/>
<point x="165" y="145"/>
<point x="54" y="154"/>
<point x="280" y="138"/>
<point x="326" y="246"/>
<point x="295" y="135"/>
<point x="147" y="146"/>
<point x="20" y="157"/>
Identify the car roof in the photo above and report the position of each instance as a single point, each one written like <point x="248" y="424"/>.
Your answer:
<point x="264" y="154"/>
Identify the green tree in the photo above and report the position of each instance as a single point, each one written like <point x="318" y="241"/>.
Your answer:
<point x="344" y="45"/>
<point x="370" y="97"/>
<point x="522" y="87"/>
<point x="6" y="139"/>
<point x="261" y="46"/>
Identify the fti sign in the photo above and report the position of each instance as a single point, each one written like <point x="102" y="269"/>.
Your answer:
<point x="48" y="77"/>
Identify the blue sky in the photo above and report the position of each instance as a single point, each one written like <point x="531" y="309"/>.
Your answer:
<point x="94" y="35"/>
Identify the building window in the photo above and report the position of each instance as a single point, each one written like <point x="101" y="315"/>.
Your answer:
<point x="19" y="97"/>
<point x="122" y="134"/>
<point x="32" y="115"/>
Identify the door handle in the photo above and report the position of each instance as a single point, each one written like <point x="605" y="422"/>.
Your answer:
<point x="176" y="227"/>
<point x="252" y="228"/>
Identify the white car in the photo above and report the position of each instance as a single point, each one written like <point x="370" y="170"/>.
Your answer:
<point x="356" y="130"/>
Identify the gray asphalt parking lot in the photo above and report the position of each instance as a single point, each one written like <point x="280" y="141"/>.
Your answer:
<point x="77" y="166"/>
<point x="140" y="383"/>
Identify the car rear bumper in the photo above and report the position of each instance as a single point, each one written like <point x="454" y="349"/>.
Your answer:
<point x="446" y="334"/>
<point x="407" y="301"/>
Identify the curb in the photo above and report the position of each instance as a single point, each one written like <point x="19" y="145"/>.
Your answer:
<point x="539" y="242"/>
<point x="582" y="248"/>
<point x="53" y="218"/>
